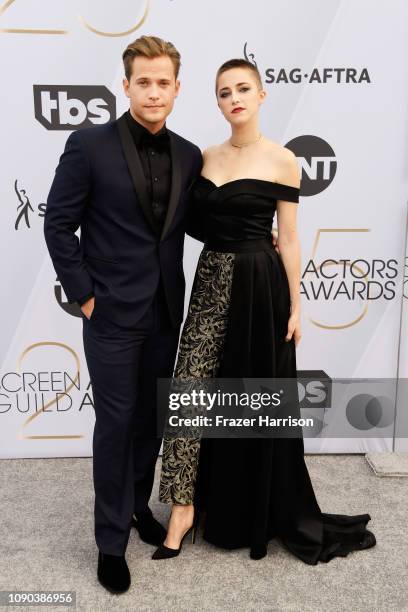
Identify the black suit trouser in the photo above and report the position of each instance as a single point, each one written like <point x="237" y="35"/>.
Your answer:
<point x="123" y="365"/>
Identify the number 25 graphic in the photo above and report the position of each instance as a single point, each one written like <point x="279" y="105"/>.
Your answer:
<point x="83" y="21"/>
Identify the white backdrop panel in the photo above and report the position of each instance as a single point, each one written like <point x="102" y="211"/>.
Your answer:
<point x="349" y="135"/>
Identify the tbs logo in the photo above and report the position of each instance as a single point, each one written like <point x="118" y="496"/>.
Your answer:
<point x="72" y="107"/>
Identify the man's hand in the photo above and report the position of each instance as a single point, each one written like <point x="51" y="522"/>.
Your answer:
<point x="275" y="239"/>
<point x="88" y="307"/>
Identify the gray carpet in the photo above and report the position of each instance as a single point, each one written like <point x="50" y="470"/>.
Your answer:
<point x="47" y="543"/>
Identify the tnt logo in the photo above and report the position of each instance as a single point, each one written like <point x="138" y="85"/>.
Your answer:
<point x="72" y="107"/>
<point x="317" y="160"/>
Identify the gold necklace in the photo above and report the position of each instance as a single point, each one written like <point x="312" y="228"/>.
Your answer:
<point x="245" y="144"/>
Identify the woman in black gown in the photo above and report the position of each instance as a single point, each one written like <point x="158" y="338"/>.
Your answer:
<point x="244" y="321"/>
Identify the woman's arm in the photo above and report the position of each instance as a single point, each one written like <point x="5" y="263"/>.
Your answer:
<point x="288" y="242"/>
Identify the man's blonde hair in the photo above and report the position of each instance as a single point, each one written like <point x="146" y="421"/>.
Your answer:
<point x="150" y="47"/>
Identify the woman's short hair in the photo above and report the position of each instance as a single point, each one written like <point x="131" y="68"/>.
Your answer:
<point x="238" y="63"/>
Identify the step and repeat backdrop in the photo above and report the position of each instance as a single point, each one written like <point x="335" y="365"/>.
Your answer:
<point x="336" y="81"/>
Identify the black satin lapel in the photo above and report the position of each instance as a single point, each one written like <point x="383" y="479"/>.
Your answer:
<point x="136" y="170"/>
<point x="175" y="185"/>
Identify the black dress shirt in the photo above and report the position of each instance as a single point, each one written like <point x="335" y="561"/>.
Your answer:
<point x="155" y="156"/>
<point x="154" y="151"/>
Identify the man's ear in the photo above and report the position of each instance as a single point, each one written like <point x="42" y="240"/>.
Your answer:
<point x="125" y="84"/>
<point x="178" y="85"/>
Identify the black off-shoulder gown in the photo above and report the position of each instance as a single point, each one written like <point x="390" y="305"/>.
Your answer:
<point x="249" y="490"/>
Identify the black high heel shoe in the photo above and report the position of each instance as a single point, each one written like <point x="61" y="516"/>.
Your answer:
<point x="164" y="552"/>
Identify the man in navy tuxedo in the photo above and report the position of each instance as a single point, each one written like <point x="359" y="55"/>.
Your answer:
<point x="125" y="184"/>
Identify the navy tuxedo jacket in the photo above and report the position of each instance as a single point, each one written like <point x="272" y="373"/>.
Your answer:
<point x="100" y="187"/>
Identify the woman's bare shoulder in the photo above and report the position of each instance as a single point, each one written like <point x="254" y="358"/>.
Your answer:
<point x="276" y="149"/>
<point x="290" y="171"/>
<point x="212" y="151"/>
<point x="285" y="162"/>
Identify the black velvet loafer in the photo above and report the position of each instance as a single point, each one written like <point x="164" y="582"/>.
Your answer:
<point x="113" y="573"/>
